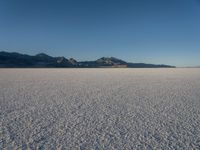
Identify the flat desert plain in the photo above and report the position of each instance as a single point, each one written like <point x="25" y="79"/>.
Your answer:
<point x="100" y="109"/>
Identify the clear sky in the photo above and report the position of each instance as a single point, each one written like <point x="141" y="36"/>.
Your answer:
<point x="150" y="31"/>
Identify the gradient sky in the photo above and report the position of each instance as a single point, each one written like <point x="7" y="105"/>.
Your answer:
<point x="150" y="31"/>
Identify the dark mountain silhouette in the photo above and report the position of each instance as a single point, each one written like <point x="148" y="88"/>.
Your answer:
<point x="9" y="60"/>
<point x="17" y="60"/>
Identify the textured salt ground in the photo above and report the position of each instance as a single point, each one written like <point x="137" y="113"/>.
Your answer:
<point x="100" y="109"/>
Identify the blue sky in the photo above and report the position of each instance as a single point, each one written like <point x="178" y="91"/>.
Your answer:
<point x="150" y="31"/>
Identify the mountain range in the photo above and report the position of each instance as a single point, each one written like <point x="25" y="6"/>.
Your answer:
<point x="42" y="60"/>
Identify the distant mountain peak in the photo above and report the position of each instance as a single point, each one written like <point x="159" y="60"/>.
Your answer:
<point x="111" y="61"/>
<point x="108" y="58"/>
<point x="42" y="55"/>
